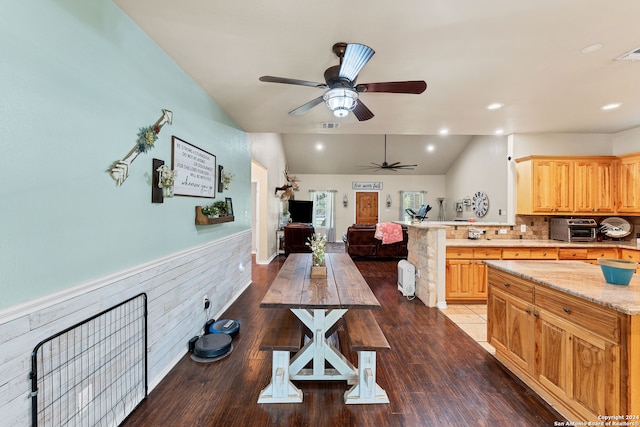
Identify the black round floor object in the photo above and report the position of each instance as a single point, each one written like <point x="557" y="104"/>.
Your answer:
<point x="212" y="346"/>
<point x="225" y="326"/>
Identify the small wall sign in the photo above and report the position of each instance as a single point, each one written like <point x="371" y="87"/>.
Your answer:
<point x="357" y="185"/>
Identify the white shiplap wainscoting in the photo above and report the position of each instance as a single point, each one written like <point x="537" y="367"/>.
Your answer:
<point x="175" y="286"/>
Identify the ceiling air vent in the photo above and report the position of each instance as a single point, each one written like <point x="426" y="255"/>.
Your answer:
<point x="634" y="55"/>
<point x="330" y="125"/>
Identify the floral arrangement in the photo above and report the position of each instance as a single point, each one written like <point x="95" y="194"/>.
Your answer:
<point x="210" y="211"/>
<point x="317" y="243"/>
<point x="146" y="138"/>
<point x="167" y="176"/>
<point x="227" y="177"/>
<point x="216" y="208"/>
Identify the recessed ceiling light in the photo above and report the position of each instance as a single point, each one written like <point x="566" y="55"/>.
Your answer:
<point x="611" y="106"/>
<point x="495" y="106"/>
<point x="499" y="131"/>
<point x="319" y="146"/>
<point x="444" y="131"/>
<point x="592" y="48"/>
<point x="431" y="147"/>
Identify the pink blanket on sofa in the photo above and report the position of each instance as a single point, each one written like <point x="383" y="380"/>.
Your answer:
<point x="388" y="232"/>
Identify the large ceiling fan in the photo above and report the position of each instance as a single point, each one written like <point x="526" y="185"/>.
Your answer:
<point x="388" y="166"/>
<point x="342" y="93"/>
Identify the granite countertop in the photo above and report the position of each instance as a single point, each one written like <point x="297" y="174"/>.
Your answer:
<point x="577" y="278"/>
<point x="524" y="243"/>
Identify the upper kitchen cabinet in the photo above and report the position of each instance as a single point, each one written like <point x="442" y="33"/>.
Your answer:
<point x="594" y="185"/>
<point x="545" y="185"/>
<point x="628" y="193"/>
<point x="572" y="185"/>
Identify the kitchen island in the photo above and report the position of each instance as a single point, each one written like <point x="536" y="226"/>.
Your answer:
<point x="569" y="335"/>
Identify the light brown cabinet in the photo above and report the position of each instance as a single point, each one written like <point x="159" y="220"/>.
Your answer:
<point x="512" y="301"/>
<point x="593" y="185"/>
<point x="628" y="193"/>
<point x="567" y="349"/>
<point x="465" y="277"/>
<point x="545" y="185"/>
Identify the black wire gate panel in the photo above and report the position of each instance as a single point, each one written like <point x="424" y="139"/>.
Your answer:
<point x="93" y="373"/>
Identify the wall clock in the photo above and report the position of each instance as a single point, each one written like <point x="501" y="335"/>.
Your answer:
<point x="480" y="203"/>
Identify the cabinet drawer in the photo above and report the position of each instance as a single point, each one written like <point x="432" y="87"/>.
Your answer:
<point x="459" y="253"/>
<point x="511" y="285"/>
<point x="595" y="253"/>
<point x="544" y="253"/>
<point x="568" y="253"/>
<point x="580" y="312"/>
<point x="487" y="253"/>
<point x="630" y="255"/>
<point x="512" y="253"/>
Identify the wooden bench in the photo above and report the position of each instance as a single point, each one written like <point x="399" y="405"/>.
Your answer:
<point x="365" y="337"/>
<point x="282" y="335"/>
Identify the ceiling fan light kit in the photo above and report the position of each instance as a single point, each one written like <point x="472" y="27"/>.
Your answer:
<point x="341" y="101"/>
<point x="341" y="91"/>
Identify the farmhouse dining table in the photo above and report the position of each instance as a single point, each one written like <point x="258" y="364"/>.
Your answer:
<point x="319" y="303"/>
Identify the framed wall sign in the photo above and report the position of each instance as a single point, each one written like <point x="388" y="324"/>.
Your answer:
<point x="357" y="185"/>
<point x="196" y="170"/>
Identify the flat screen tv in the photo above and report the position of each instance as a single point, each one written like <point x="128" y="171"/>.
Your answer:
<point x="301" y="211"/>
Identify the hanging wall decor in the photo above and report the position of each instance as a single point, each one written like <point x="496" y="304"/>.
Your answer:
<point x="156" y="189"/>
<point x="195" y="170"/>
<point x="220" y="175"/>
<point x="147" y="136"/>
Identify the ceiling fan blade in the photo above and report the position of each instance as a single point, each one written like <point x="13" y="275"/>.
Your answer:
<point x="306" y="107"/>
<point x="413" y="86"/>
<point x="361" y="112"/>
<point x="272" y="79"/>
<point x="355" y="57"/>
<point x="391" y="165"/>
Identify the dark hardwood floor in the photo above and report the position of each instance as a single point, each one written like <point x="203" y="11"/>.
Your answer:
<point x="434" y="374"/>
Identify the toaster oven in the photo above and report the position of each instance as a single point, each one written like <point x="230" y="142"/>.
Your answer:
<point x="573" y="229"/>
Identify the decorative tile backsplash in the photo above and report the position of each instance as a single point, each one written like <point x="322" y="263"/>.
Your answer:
<point x="537" y="228"/>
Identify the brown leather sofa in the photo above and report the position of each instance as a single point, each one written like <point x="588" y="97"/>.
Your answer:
<point x="296" y="236"/>
<point x="359" y="242"/>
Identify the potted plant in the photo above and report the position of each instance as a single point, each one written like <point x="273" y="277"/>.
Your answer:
<point x="211" y="211"/>
<point x="221" y="206"/>
<point x="317" y="243"/>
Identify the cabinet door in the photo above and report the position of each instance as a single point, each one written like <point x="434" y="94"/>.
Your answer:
<point x="458" y="279"/>
<point x="479" y="277"/>
<point x="552" y="360"/>
<point x="512" y="327"/>
<point x="553" y="186"/>
<point x="629" y="185"/>
<point x="602" y="184"/>
<point x="578" y="366"/>
<point x="496" y="319"/>
<point x="593" y="186"/>
<point x="520" y="329"/>
<point x="543" y="186"/>
<point x="465" y="280"/>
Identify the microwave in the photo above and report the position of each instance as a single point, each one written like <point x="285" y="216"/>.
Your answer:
<point x="573" y="229"/>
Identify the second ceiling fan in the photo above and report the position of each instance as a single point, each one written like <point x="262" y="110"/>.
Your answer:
<point x="388" y="166"/>
<point x="342" y="92"/>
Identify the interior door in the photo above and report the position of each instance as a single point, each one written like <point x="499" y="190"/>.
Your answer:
<point x="366" y="207"/>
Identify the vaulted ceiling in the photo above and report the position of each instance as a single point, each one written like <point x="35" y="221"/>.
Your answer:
<point x="551" y="63"/>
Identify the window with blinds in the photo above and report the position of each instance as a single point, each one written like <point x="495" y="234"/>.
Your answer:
<point x="411" y="200"/>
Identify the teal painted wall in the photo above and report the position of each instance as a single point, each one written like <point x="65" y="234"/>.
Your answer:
<point x="77" y="81"/>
